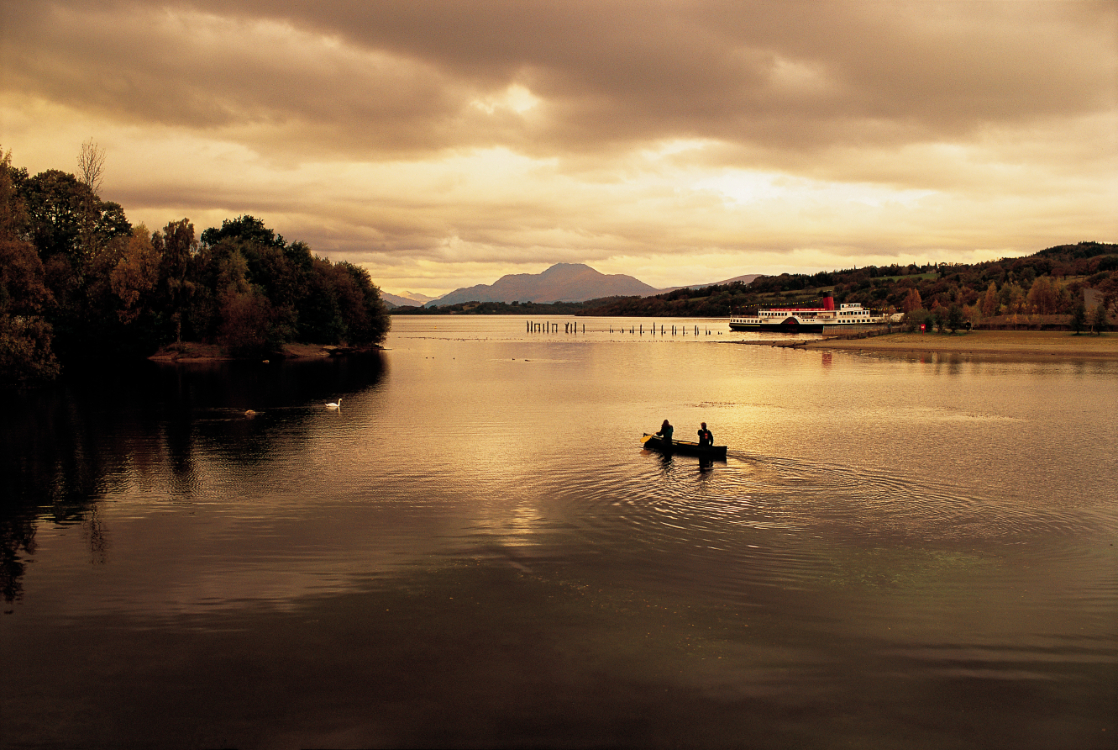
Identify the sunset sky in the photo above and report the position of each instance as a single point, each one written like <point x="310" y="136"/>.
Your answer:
<point x="444" y="144"/>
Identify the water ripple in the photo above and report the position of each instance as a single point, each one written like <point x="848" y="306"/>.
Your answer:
<point x="781" y="512"/>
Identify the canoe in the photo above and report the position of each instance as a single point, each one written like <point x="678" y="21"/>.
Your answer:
<point x="655" y="443"/>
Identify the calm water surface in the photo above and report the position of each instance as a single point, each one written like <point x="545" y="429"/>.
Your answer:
<point x="475" y="551"/>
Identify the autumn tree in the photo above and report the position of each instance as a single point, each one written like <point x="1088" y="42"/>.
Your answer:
<point x="990" y="301"/>
<point x="136" y="274"/>
<point x="1012" y="297"/>
<point x="23" y="290"/>
<point x="912" y="301"/>
<point x="26" y="351"/>
<point x="972" y="314"/>
<point x="1042" y="296"/>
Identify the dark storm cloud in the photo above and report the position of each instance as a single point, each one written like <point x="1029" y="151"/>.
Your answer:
<point x="478" y="132"/>
<point x="388" y="75"/>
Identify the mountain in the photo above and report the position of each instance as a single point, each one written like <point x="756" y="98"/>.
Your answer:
<point x="563" y="282"/>
<point x="405" y="299"/>
<point x="397" y="301"/>
<point x="417" y="297"/>
<point x="746" y="279"/>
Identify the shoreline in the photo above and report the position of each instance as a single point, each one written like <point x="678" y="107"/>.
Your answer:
<point x="1042" y="344"/>
<point x="189" y="351"/>
<point x="1028" y="344"/>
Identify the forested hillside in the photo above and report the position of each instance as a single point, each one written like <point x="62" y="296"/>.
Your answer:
<point x="1011" y="291"/>
<point x="79" y="283"/>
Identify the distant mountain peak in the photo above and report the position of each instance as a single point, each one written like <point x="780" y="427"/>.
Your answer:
<point x="405" y="299"/>
<point x="562" y="282"/>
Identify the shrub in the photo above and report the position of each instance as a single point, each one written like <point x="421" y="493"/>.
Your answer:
<point x="25" y="351"/>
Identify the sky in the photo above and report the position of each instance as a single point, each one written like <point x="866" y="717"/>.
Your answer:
<point x="445" y="144"/>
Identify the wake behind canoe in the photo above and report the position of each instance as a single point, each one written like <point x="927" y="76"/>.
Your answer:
<point x="655" y="443"/>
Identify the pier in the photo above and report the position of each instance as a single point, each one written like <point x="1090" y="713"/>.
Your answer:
<point x="641" y="329"/>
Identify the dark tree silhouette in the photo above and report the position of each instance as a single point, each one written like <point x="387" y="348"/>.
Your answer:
<point x="1079" y="317"/>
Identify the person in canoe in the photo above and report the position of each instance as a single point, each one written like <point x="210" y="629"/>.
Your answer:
<point x="705" y="438"/>
<point x="666" y="431"/>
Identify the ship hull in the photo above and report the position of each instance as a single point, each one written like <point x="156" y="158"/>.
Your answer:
<point x="795" y="326"/>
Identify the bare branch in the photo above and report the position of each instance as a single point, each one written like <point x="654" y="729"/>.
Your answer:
<point x="91" y="166"/>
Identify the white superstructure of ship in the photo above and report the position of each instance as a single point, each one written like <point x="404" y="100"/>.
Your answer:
<point x="825" y="319"/>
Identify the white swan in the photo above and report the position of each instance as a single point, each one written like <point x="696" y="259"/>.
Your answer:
<point x="335" y="406"/>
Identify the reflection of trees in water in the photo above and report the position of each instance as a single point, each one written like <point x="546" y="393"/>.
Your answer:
<point x="40" y="461"/>
<point x="96" y="535"/>
<point x="17" y="532"/>
<point x="64" y="448"/>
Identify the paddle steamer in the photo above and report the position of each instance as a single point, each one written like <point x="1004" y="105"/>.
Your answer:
<point x="848" y="317"/>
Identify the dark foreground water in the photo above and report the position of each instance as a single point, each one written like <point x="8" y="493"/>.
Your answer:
<point x="474" y="551"/>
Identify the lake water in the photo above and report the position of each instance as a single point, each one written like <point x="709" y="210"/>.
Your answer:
<point x="474" y="550"/>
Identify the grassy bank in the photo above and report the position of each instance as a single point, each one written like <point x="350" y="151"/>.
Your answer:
<point x="1017" y="343"/>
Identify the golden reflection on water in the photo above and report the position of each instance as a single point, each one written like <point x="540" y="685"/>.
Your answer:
<point x="479" y="518"/>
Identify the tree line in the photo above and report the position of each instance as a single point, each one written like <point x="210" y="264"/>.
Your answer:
<point x="1014" y="292"/>
<point x="79" y="282"/>
<point x="1046" y="289"/>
